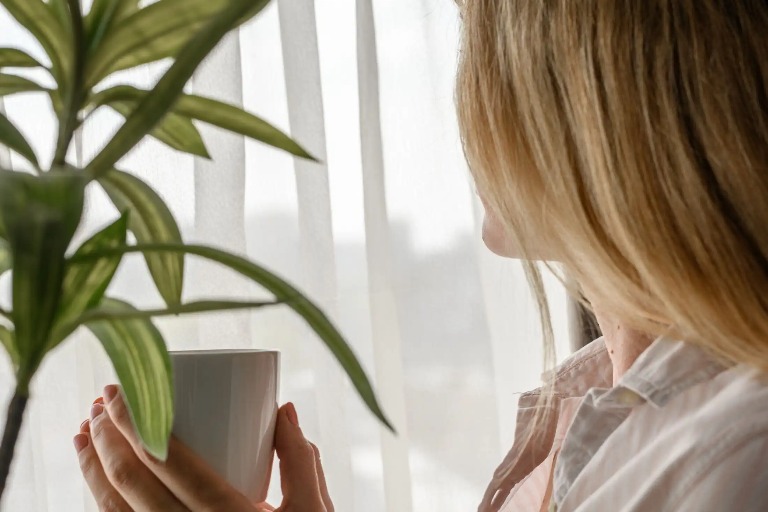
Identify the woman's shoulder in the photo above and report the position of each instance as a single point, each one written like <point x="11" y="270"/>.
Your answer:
<point x="726" y="438"/>
<point x="733" y="408"/>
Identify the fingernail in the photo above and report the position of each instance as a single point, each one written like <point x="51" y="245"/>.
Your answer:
<point x="84" y="426"/>
<point x="99" y="400"/>
<point x="96" y="409"/>
<point x="110" y="392"/>
<point x="290" y="411"/>
<point x="80" y="441"/>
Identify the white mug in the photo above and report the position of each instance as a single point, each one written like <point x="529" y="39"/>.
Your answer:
<point x="226" y="410"/>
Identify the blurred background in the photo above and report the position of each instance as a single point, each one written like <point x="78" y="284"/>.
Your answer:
<point x="384" y="234"/>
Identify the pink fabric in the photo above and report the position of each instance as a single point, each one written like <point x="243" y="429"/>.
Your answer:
<point x="534" y="492"/>
<point x="588" y="367"/>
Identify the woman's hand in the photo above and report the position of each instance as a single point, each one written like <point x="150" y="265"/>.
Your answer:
<point x="124" y="477"/>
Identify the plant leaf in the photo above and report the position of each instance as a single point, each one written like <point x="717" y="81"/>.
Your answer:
<point x="150" y="221"/>
<point x="103" y="16"/>
<point x="39" y="19"/>
<point x="156" y="32"/>
<point x="61" y="11"/>
<point x="142" y="364"/>
<point x="152" y="33"/>
<point x="201" y="306"/>
<point x="287" y="294"/>
<point x="168" y="89"/>
<point x="239" y="121"/>
<point x="11" y="137"/>
<point x="11" y="84"/>
<point x="84" y="285"/>
<point x="8" y="339"/>
<point x="39" y="215"/>
<point x="174" y="130"/>
<point x="214" y="112"/>
<point x="15" y="58"/>
<point x="6" y="261"/>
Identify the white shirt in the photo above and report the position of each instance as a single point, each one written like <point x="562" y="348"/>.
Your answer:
<point x="679" y="432"/>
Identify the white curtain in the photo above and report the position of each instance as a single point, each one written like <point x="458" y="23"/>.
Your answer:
<point x="384" y="235"/>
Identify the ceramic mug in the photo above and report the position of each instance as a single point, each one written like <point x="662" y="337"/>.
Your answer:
<point x="226" y="410"/>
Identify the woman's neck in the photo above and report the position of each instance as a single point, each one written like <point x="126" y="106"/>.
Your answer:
<point x="624" y="345"/>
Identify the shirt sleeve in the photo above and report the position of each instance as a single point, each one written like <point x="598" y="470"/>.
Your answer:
<point x="739" y="481"/>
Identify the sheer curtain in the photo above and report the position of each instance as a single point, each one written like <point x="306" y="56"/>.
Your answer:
<point x="384" y="234"/>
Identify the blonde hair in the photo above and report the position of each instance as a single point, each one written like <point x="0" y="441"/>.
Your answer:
<point x="632" y="137"/>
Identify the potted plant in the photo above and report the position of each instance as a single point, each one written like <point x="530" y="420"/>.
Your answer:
<point x="56" y="288"/>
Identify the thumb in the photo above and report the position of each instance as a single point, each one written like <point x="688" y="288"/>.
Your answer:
<point x="298" y="474"/>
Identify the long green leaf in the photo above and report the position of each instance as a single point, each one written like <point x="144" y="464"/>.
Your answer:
<point x="61" y="11"/>
<point x="11" y="137"/>
<point x="15" y="58"/>
<point x="6" y="261"/>
<point x="175" y="130"/>
<point x="283" y="292"/>
<point x="8" y="339"/>
<point x="84" y="285"/>
<point x="152" y="33"/>
<point x="11" y="84"/>
<point x="156" y="32"/>
<point x="39" y="19"/>
<point x="201" y="306"/>
<point x="150" y="221"/>
<point x="138" y="353"/>
<point x="213" y="112"/>
<point x="39" y="215"/>
<point x="168" y="89"/>
<point x="239" y="121"/>
<point x="102" y="17"/>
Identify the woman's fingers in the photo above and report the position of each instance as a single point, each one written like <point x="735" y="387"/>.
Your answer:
<point x="187" y="476"/>
<point x="124" y="471"/>
<point x="298" y="469"/>
<point x="185" y="482"/>
<point x="321" y="480"/>
<point x="107" y="498"/>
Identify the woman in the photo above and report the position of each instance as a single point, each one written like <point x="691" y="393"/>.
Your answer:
<point x="628" y="140"/>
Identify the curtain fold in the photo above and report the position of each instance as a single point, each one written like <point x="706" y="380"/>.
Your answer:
<point x="384" y="317"/>
<point x="384" y="233"/>
<point x="304" y="95"/>
<point x="219" y="196"/>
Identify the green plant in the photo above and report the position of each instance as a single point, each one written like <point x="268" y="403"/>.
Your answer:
<point x="56" y="290"/>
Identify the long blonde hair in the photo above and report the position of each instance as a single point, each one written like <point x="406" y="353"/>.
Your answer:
<point x="632" y="137"/>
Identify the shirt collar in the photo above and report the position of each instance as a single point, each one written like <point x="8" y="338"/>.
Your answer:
<point x="664" y="370"/>
<point x="586" y="368"/>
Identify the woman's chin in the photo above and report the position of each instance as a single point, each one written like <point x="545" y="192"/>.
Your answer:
<point x="497" y="244"/>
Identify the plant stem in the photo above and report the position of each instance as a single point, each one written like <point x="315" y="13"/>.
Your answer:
<point x="11" y="434"/>
<point x="75" y="93"/>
